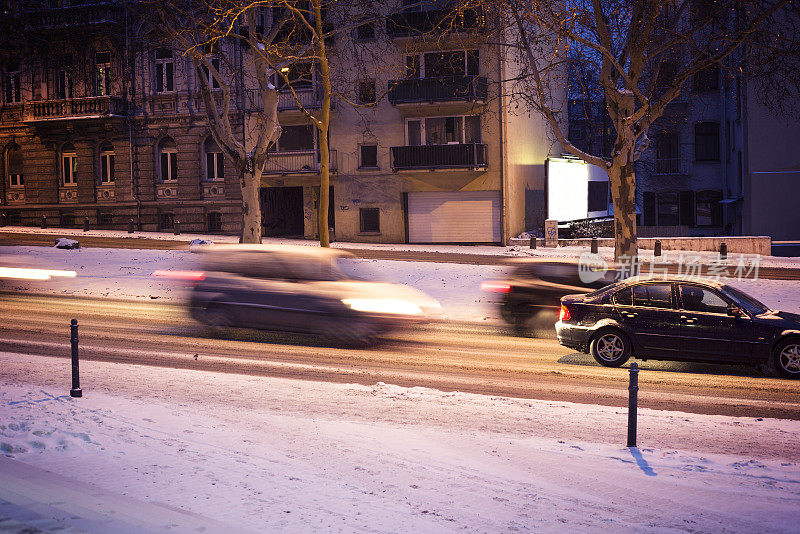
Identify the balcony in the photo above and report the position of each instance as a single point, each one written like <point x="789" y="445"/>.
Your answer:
<point x="92" y="107"/>
<point x="73" y="16"/>
<point x="670" y="166"/>
<point x="310" y="98"/>
<point x="437" y="21"/>
<point x="444" y="89"/>
<point x="296" y="162"/>
<point x="430" y="157"/>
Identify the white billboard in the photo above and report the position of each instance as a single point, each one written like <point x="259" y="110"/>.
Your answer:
<point x="575" y="190"/>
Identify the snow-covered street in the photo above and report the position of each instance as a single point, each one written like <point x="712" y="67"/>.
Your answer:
<point x="276" y="455"/>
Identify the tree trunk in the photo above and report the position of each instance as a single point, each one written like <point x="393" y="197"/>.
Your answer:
<point x="623" y="192"/>
<point x="324" y="188"/>
<point x="251" y="206"/>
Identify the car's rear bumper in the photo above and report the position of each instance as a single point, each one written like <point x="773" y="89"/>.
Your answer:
<point x="573" y="336"/>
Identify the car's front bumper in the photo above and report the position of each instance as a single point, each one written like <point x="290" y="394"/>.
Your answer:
<point x="573" y="336"/>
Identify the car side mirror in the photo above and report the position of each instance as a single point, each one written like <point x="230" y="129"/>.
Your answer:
<point x="734" y="311"/>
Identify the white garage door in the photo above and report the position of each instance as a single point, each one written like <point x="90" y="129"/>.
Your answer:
<point x="454" y="217"/>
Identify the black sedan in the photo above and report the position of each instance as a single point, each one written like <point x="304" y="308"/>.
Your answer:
<point x="679" y="319"/>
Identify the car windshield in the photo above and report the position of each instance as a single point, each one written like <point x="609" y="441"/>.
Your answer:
<point x="747" y="300"/>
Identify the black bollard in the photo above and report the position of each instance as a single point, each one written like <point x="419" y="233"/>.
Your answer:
<point x="723" y="251"/>
<point x="3" y="220"/>
<point x="86" y="224"/>
<point x="594" y="245"/>
<point x="633" y="390"/>
<point x="44" y="222"/>
<point x="176" y="226"/>
<point x="533" y="242"/>
<point x="76" y="382"/>
<point x="657" y="248"/>
<point x="130" y="226"/>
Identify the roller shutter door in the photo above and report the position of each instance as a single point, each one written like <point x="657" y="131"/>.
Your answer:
<point x="454" y="217"/>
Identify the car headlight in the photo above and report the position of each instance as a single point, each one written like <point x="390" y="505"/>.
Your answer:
<point x="393" y="306"/>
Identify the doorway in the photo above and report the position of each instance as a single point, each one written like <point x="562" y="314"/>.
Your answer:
<point x="282" y="211"/>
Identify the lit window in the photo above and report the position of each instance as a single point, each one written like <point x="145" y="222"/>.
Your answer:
<point x="215" y="168"/>
<point x="168" y="160"/>
<point x="69" y="165"/>
<point x="107" y="163"/>
<point x="103" y="73"/>
<point x="16" y="176"/>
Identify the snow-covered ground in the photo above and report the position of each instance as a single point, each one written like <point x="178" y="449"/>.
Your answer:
<point x="607" y="253"/>
<point x="127" y="274"/>
<point x="278" y="455"/>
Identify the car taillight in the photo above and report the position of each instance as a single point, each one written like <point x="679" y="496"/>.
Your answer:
<point x="564" y="315"/>
<point x="496" y="287"/>
<point x="191" y="276"/>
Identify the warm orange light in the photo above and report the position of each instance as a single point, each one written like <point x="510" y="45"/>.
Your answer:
<point x="564" y="315"/>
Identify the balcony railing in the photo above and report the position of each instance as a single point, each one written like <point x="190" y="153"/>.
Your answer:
<point x="297" y="162"/>
<point x="73" y="16"/>
<point x="309" y="98"/>
<point x="73" y="108"/>
<point x="670" y="166"/>
<point x="471" y="155"/>
<point x="443" y="89"/>
<point x="436" y="21"/>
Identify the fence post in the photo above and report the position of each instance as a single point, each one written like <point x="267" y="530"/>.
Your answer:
<point x="76" y="382"/>
<point x="44" y="222"/>
<point x="177" y="226"/>
<point x="657" y="248"/>
<point x="86" y="224"/>
<point x="633" y="390"/>
<point x="594" y="246"/>
<point x="723" y="251"/>
<point x="533" y="242"/>
<point x="130" y="226"/>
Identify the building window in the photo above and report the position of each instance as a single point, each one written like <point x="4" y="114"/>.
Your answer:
<point x="167" y="160"/>
<point x="165" y="71"/>
<point x="366" y="92"/>
<point x="103" y="73"/>
<point x="369" y="156"/>
<point x="444" y="130"/>
<point x="64" y="85"/>
<point x="214" y="221"/>
<point x="668" y="209"/>
<point x="443" y="64"/>
<point x="668" y="153"/>
<point x="215" y="163"/>
<point x="12" y="85"/>
<point x="370" y="220"/>
<point x="706" y="141"/>
<point x="213" y="82"/>
<point x="166" y="221"/>
<point x="107" y="157"/>
<point x="707" y="79"/>
<point x="69" y="165"/>
<point x="67" y="220"/>
<point x="104" y="220"/>
<point x="295" y="138"/>
<point x="709" y="210"/>
<point x="14" y="164"/>
<point x="365" y="32"/>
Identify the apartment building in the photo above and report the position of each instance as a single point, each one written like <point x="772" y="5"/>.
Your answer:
<point x="110" y="126"/>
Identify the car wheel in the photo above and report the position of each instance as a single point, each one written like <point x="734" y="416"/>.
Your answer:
<point x="610" y="348"/>
<point x="787" y="358"/>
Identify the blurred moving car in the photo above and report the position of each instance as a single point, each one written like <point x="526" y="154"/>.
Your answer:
<point x="530" y="296"/>
<point x="300" y="289"/>
<point x="685" y="319"/>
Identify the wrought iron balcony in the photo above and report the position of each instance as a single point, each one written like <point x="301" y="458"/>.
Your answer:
<point x="455" y="156"/>
<point x="437" y="21"/>
<point x="92" y="107"/>
<point x="296" y="162"/>
<point x="310" y="98"/>
<point x="72" y="16"/>
<point x="444" y="89"/>
<point x="668" y="166"/>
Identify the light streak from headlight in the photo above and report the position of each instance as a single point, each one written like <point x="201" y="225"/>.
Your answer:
<point x="33" y="274"/>
<point x="392" y="306"/>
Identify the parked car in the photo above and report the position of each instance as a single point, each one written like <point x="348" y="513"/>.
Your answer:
<point x="529" y="298"/>
<point x="299" y="289"/>
<point x="685" y="319"/>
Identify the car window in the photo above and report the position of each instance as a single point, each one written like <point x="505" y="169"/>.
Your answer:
<point x="653" y="295"/>
<point x="700" y="299"/>
<point x="623" y="298"/>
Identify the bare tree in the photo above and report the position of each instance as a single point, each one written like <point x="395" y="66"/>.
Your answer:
<point x="643" y="52"/>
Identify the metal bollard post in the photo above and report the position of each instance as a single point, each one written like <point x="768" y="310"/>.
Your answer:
<point x="723" y="251"/>
<point x="44" y="222"/>
<point x="657" y="248"/>
<point x="593" y="248"/>
<point x="533" y="242"/>
<point x="633" y="390"/>
<point x="176" y="226"/>
<point x="86" y="224"/>
<point x="76" y="382"/>
<point x="3" y="220"/>
<point x="130" y="226"/>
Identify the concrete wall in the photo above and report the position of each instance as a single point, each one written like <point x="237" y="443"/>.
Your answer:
<point x="761" y="245"/>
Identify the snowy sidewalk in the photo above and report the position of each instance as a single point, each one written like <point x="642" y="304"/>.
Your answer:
<point x="279" y="455"/>
<point x="35" y="500"/>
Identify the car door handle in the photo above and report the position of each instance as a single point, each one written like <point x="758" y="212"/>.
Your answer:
<point x="689" y="320"/>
